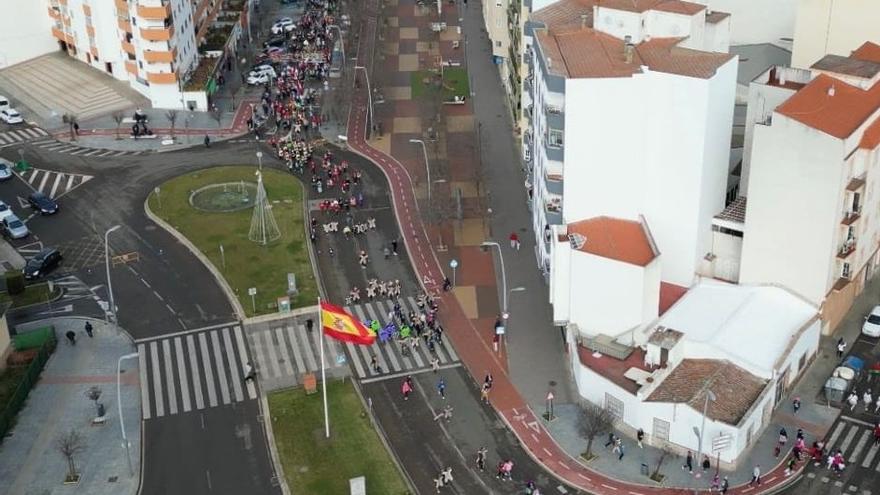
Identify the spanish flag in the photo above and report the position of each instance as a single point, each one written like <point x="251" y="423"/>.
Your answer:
<point x="342" y="326"/>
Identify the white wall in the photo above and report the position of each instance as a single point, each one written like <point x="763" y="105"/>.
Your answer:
<point x="832" y="26"/>
<point x="763" y="100"/>
<point x="794" y="207"/>
<point x="25" y="31"/>
<point x="757" y="21"/>
<point x="618" y="23"/>
<point x="718" y="36"/>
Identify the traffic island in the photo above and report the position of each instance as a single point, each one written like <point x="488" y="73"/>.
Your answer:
<point x="214" y="210"/>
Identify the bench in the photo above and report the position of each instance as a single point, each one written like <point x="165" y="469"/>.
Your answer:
<point x="605" y="344"/>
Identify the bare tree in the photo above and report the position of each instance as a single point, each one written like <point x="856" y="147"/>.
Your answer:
<point x="73" y="124"/>
<point x="93" y="394"/>
<point x="655" y="475"/>
<point x="118" y="117"/>
<point x="594" y="420"/>
<point x="171" y="115"/>
<point x="70" y="444"/>
<point x="217" y="115"/>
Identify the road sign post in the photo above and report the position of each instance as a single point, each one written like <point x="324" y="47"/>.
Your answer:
<point x="549" y="416"/>
<point x="158" y="197"/>
<point x="253" y="292"/>
<point x="453" y="263"/>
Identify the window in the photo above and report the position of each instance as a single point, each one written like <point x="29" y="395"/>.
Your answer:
<point x="660" y="430"/>
<point x="554" y="138"/>
<point x="498" y="22"/>
<point x="614" y="406"/>
<point x="498" y="44"/>
<point x="803" y="361"/>
<point x="498" y="3"/>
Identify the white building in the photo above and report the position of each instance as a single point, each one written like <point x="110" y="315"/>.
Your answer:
<point x="745" y="344"/>
<point x="630" y="116"/>
<point x="23" y="31"/>
<point x="835" y="27"/>
<point x="813" y="172"/>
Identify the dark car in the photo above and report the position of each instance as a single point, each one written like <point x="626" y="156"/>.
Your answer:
<point x="275" y="41"/>
<point x="42" y="203"/>
<point x="44" y="262"/>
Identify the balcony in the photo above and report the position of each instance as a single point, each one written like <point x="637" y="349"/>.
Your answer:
<point x="158" y="56"/>
<point x="156" y="34"/>
<point x="553" y="214"/>
<point x="87" y="10"/>
<point x="553" y="147"/>
<point x="841" y="282"/>
<point x="94" y="51"/>
<point x="850" y="217"/>
<point x="154" y="12"/>
<point x="555" y="117"/>
<point x="58" y="33"/>
<point x="124" y="25"/>
<point x="90" y="30"/>
<point x="131" y="67"/>
<point x="128" y="47"/>
<point x="847" y="248"/>
<point x="54" y="14"/>
<point x="162" y="77"/>
<point x="553" y="183"/>
<point x="121" y="5"/>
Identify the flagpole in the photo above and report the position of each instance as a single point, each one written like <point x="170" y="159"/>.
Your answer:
<point x="324" y="378"/>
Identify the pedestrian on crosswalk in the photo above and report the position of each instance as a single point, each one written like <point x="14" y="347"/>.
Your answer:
<point x="441" y="387"/>
<point x="447" y="475"/>
<point x="435" y="364"/>
<point x="877" y="433"/>
<point x="481" y="458"/>
<point x="375" y="365"/>
<point x="89" y="330"/>
<point x="868" y="400"/>
<point x="852" y="400"/>
<point x="446" y="414"/>
<point x="725" y="485"/>
<point x="249" y="373"/>
<point x="877" y="405"/>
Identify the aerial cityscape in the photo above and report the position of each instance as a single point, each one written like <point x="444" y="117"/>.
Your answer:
<point x="390" y="247"/>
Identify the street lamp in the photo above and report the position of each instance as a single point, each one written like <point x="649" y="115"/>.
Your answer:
<point x="369" y="93"/>
<point x="488" y="244"/>
<point x="119" y="403"/>
<point x="709" y="396"/>
<point x="107" y="264"/>
<point x="427" y="166"/>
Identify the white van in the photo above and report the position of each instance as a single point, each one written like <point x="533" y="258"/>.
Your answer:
<point x="4" y="103"/>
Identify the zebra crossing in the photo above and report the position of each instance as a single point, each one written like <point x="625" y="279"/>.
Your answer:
<point x="74" y="288"/>
<point x="855" y="439"/>
<point x="388" y="355"/>
<point x="72" y="149"/>
<point x="193" y="370"/>
<point x="52" y="183"/>
<point x="20" y="135"/>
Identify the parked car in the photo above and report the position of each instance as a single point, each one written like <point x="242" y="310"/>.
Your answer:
<point x="5" y="170"/>
<point x="5" y="210"/>
<point x="263" y="69"/>
<point x="11" y="116"/>
<point x="871" y="327"/>
<point x="44" y="262"/>
<point x="283" y="26"/>
<point x="257" y="79"/>
<point x="4" y="102"/>
<point x="42" y="203"/>
<point x="14" y="228"/>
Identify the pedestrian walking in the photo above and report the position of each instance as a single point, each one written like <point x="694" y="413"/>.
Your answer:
<point x="394" y="247"/>
<point x="435" y="363"/>
<point x="689" y="462"/>
<point x="406" y="388"/>
<point x="481" y="458"/>
<point x="706" y="463"/>
<point x="780" y="443"/>
<point x="438" y="482"/>
<point x="310" y="324"/>
<point x="207" y="141"/>
<point x="868" y="400"/>
<point x="618" y="444"/>
<point x="495" y="340"/>
<point x="249" y="372"/>
<point x="725" y="485"/>
<point x="796" y="404"/>
<point x="447" y="475"/>
<point x="640" y="435"/>
<point x="375" y="365"/>
<point x="441" y="387"/>
<point x="716" y="483"/>
<point x="620" y="452"/>
<point x="446" y="414"/>
<point x="877" y="404"/>
<point x="71" y="337"/>
<point x="852" y="400"/>
<point x="841" y="346"/>
<point x="89" y="329"/>
<point x="877" y="433"/>
<point x="756" y="475"/>
<point x="610" y="439"/>
<point x="484" y="393"/>
<point x="514" y="241"/>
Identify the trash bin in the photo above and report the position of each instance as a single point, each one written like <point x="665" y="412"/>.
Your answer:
<point x="644" y="469"/>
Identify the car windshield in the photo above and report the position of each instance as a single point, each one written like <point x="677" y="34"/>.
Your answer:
<point x="874" y="319"/>
<point x="4" y="207"/>
<point x="15" y="224"/>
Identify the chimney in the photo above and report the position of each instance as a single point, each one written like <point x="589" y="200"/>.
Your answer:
<point x="549" y="63"/>
<point x="831" y="90"/>
<point x="584" y="18"/>
<point x="628" y="49"/>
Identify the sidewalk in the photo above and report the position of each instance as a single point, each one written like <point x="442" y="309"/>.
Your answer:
<point x="29" y="460"/>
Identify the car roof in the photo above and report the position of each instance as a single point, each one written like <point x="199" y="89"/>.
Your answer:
<point x="38" y="194"/>
<point x="46" y="252"/>
<point x="11" y="218"/>
<point x="876" y="310"/>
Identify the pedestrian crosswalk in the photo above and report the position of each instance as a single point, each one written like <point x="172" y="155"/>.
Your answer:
<point x="855" y="439"/>
<point x="69" y="148"/>
<point x="193" y="370"/>
<point x="391" y="360"/>
<point x="53" y="183"/>
<point x="19" y="135"/>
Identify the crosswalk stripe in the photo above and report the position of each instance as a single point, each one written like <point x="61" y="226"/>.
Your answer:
<point x="233" y="365"/>
<point x="53" y="145"/>
<point x="58" y="178"/>
<point x="206" y="365"/>
<point x="318" y="340"/>
<point x="835" y="434"/>
<point x="391" y="355"/>
<point x="32" y="132"/>
<point x="297" y="354"/>
<point x="79" y="151"/>
<point x="142" y="370"/>
<point x="94" y="152"/>
<point x="270" y="351"/>
<point x="120" y="153"/>
<point x="221" y="369"/>
<point x="41" y="131"/>
<point x="3" y="139"/>
<point x="41" y="142"/>
<point x="242" y="356"/>
<point x="301" y="336"/>
<point x="108" y="152"/>
<point x="44" y="181"/>
<point x="70" y="182"/>
<point x="282" y="348"/>
<point x="849" y="438"/>
<point x="357" y="362"/>
<point x="331" y="344"/>
<point x="194" y="368"/>
<point x="65" y="148"/>
<point x="157" y="379"/>
<point x="34" y="173"/>
<point x="181" y="372"/>
<point x="169" y="377"/>
<point x="257" y="344"/>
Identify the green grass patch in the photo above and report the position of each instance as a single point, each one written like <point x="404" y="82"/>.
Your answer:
<point x="247" y="264"/>
<point x="315" y="465"/>
<point x="10" y="379"/>
<point x="421" y="83"/>
<point x="33" y="294"/>
<point x="455" y="83"/>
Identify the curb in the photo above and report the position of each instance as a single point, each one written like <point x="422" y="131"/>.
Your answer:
<point x="230" y="294"/>
<point x="273" y="449"/>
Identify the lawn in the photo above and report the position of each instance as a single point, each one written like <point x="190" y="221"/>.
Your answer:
<point x="247" y="264"/>
<point x="314" y="465"/>
<point x="455" y="83"/>
<point x="33" y="294"/>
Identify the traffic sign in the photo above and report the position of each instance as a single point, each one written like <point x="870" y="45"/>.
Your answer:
<point x="499" y="330"/>
<point x="252" y="291"/>
<point x="453" y="264"/>
<point x="721" y="442"/>
<point x="550" y="396"/>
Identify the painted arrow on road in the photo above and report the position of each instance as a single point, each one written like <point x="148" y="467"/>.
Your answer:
<point x="63" y="309"/>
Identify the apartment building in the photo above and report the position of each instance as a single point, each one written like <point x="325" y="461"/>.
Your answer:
<point x="23" y="35"/>
<point x="834" y="27"/>
<point x="811" y="212"/>
<point x="630" y="115"/>
<point x="152" y="44"/>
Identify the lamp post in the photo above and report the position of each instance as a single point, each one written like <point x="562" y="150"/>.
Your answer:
<point x="119" y="403"/>
<point x="107" y="265"/>
<point x="427" y="166"/>
<point x="709" y="396"/>
<point x="369" y="93"/>
<point x="489" y="244"/>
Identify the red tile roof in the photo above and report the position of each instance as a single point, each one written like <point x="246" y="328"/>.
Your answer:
<point x="871" y="137"/>
<point x="669" y="295"/>
<point x="868" y="51"/>
<point x="735" y="389"/>
<point x="613" y="238"/>
<point x="838" y="115"/>
<point x="564" y="14"/>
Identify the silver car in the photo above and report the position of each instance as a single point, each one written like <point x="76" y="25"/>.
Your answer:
<point x="5" y="170"/>
<point x="13" y="227"/>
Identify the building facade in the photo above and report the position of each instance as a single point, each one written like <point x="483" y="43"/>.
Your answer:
<point x="23" y="35"/>
<point x="649" y="120"/>
<point x="834" y="27"/>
